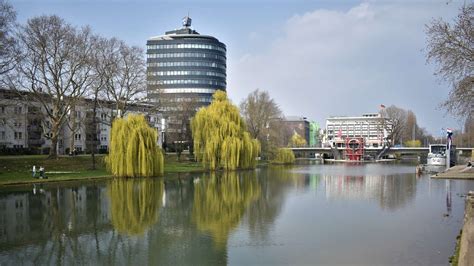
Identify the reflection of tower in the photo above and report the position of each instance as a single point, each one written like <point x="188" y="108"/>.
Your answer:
<point x="448" y="196"/>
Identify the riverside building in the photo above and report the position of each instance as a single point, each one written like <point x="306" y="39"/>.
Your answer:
<point x="184" y="70"/>
<point x="26" y="128"/>
<point x="183" y="65"/>
<point x="372" y="128"/>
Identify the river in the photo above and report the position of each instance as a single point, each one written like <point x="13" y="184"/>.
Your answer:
<point x="307" y="214"/>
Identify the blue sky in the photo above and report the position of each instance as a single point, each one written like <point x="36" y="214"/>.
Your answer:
<point x="315" y="58"/>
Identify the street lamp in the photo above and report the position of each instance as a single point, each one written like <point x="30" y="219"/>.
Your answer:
<point x="163" y="127"/>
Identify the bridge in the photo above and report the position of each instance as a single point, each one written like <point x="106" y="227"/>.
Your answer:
<point x="372" y="150"/>
<point x="394" y="149"/>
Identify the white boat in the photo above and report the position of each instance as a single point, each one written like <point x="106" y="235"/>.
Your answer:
<point x="437" y="155"/>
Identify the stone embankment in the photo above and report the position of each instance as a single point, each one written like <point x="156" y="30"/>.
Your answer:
<point x="466" y="253"/>
<point x="457" y="172"/>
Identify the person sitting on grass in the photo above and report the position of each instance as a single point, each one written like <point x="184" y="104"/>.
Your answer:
<point x="41" y="172"/>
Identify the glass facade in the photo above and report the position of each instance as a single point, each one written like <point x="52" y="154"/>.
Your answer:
<point x="183" y="64"/>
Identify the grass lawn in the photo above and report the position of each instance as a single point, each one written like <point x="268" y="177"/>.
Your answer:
<point x="17" y="169"/>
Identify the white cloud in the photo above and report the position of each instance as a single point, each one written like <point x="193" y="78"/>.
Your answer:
<point x="332" y="62"/>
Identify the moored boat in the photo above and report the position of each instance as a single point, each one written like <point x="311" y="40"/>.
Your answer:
<point x="437" y="155"/>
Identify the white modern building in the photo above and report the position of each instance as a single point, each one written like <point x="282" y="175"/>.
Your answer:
<point x="372" y="128"/>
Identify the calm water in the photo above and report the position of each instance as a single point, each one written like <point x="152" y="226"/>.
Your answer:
<point x="312" y="214"/>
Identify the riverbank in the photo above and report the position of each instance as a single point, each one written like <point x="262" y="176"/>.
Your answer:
<point x="466" y="251"/>
<point x="17" y="170"/>
<point x="456" y="172"/>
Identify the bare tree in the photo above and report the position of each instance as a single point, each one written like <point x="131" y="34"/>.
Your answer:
<point x="8" y="44"/>
<point x="263" y="118"/>
<point x="451" y="48"/>
<point x="398" y="117"/>
<point x="125" y="74"/>
<point x="101" y="62"/>
<point x="179" y="133"/>
<point x="55" y="68"/>
<point x="259" y="109"/>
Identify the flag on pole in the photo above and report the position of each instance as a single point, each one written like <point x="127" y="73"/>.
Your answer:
<point x="382" y="106"/>
<point x="449" y="137"/>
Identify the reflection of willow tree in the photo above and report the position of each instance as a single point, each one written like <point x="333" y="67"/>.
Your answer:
<point x="134" y="204"/>
<point x="220" y="202"/>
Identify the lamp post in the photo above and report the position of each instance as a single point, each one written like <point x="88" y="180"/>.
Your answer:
<point x="163" y="127"/>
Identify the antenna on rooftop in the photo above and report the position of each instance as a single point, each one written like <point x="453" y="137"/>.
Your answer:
<point x="187" y="21"/>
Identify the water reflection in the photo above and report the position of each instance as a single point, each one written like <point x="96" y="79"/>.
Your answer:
<point x="448" y="196"/>
<point x="214" y="219"/>
<point x="45" y="225"/>
<point x="220" y="202"/>
<point x="391" y="191"/>
<point x="263" y="212"/>
<point x="134" y="203"/>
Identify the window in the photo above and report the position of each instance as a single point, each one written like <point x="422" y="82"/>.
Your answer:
<point x="18" y="109"/>
<point x="18" y="135"/>
<point x="189" y="73"/>
<point x="186" y="64"/>
<point x="199" y="55"/>
<point x="77" y="136"/>
<point x="2" y="135"/>
<point x="2" y="109"/>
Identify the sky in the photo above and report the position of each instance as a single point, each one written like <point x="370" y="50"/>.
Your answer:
<point x="315" y="58"/>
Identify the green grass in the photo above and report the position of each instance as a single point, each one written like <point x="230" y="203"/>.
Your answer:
<point x="17" y="169"/>
<point x="185" y="165"/>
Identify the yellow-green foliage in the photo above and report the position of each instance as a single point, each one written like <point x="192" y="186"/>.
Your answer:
<point x="284" y="156"/>
<point x="413" y="143"/>
<point x="297" y="141"/>
<point x="133" y="150"/>
<point x="220" y="202"/>
<point x="134" y="203"/>
<point x="220" y="137"/>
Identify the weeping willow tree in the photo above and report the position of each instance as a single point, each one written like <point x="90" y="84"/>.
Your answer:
<point x="220" y="202"/>
<point x="297" y="140"/>
<point x="134" y="204"/>
<point x="133" y="150"/>
<point x="220" y="136"/>
<point x="284" y="156"/>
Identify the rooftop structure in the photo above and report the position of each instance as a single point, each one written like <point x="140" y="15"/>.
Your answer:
<point x="183" y="65"/>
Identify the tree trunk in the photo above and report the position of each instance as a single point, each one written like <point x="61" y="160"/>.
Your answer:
<point x="54" y="141"/>
<point x="72" y="119"/>
<point x="94" y="125"/>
